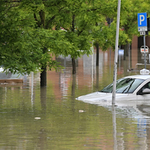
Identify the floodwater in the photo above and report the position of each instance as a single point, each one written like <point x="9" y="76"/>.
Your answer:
<point x="50" y="118"/>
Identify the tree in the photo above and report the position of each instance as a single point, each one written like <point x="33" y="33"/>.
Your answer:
<point x="28" y="41"/>
<point x="77" y="27"/>
<point x="81" y="26"/>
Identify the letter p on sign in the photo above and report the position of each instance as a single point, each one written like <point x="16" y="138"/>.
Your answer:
<point x="142" y="18"/>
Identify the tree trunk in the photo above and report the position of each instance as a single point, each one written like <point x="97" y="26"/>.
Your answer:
<point x="73" y="66"/>
<point x="43" y="77"/>
<point x="97" y="54"/>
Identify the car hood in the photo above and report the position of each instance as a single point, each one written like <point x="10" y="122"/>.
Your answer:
<point x="101" y="98"/>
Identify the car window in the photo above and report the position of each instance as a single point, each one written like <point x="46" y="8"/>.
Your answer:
<point x="144" y="87"/>
<point x="124" y="85"/>
<point x="148" y="85"/>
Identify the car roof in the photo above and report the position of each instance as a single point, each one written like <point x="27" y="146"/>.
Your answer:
<point x="144" y="77"/>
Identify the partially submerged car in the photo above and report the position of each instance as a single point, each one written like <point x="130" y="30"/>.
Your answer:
<point x="135" y="88"/>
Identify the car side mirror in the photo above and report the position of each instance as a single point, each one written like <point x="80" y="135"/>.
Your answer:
<point x="146" y="91"/>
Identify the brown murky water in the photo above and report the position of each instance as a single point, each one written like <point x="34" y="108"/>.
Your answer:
<point x="34" y="118"/>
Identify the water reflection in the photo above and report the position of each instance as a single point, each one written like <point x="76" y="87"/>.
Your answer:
<point x="97" y="78"/>
<point x="51" y="118"/>
<point x="73" y="86"/>
<point x="43" y="97"/>
<point x="114" y="127"/>
<point x="32" y="88"/>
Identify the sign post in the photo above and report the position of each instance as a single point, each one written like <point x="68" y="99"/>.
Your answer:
<point x="144" y="53"/>
<point x="142" y="28"/>
<point x="116" y="54"/>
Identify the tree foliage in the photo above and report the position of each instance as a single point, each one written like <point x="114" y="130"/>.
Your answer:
<point x="27" y="39"/>
<point x="32" y="32"/>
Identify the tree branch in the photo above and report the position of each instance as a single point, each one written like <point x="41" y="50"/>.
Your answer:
<point x="13" y="1"/>
<point x="47" y="25"/>
<point x="82" y="30"/>
<point x="36" y="20"/>
<point x="73" y="22"/>
<point x="42" y="16"/>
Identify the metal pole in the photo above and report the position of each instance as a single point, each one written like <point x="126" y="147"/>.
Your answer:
<point x="116" y="54"/>
<point x="144" y="52"/>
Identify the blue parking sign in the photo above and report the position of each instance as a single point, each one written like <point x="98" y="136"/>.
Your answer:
<point x="142" y="21"/>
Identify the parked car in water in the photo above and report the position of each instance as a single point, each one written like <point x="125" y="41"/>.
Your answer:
<point x="130" y="89"/>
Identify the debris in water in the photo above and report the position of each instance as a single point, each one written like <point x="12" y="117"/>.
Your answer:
<point x="37" y="118"/>
<point x="81" y="111"/>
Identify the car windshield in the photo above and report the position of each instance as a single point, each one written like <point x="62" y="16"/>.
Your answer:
<point x="124" y="85"/>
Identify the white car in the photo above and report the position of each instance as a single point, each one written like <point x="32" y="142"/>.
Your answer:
<point x="129" y="90"/>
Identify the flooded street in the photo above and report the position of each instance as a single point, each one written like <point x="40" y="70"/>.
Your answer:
<point x="50" y="118"/>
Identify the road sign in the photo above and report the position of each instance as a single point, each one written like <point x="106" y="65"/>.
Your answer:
<point x="142" y="32"/>
<point x="142" y="22"/>
<point x="146" y="49"/>
<point x="121" y="52"/>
